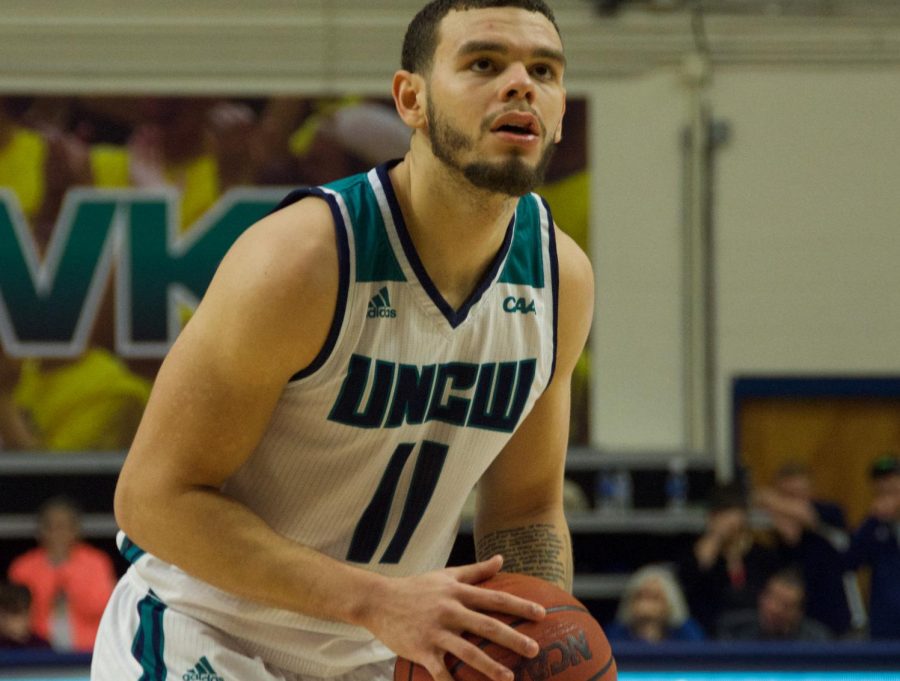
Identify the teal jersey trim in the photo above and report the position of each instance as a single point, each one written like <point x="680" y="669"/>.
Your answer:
<point x="525" y="263"/>
<point x="375" y="259"/>
<point x="149" y="641"/>
<point x="130" y="551"/>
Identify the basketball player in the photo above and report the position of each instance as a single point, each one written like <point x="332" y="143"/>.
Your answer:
<point x="362" y="358"/>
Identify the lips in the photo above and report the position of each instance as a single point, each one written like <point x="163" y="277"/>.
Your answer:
<point x="517" y="123"/>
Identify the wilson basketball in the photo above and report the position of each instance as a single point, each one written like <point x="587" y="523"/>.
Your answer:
<point x="573" y="645"/>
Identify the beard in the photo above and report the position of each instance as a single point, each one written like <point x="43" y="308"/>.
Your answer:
<point x="512" y="176"/>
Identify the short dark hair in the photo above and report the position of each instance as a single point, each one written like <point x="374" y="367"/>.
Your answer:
<point x="887" y="464"/>
<point x="421" y="37"/>
<point x="791" y="575"/>
<point x="792" y="468"/>
<point x="60" y="502"/>
<point x="727" y="496"/>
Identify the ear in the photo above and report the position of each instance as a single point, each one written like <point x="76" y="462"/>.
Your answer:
<point x="409" y="99"/>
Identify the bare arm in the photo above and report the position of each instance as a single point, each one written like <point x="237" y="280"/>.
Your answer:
<point x="212" y="401"/>
<point x="520" y="510"/>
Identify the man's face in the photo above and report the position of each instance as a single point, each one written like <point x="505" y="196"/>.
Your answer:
<point x="797" y="486"/>
<point x="15" y="625"/>
<point x="59" y="530"/>
<point x="780" y="607"/>
<point x="886" y="501"/>
<point x="495" y="97"/>
<point x="649" y="602"/>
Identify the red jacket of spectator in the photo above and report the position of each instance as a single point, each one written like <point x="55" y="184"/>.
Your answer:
<point x="86" y="579"/>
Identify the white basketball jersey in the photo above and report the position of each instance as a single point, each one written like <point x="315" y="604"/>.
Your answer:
<point x="373" y="448"/>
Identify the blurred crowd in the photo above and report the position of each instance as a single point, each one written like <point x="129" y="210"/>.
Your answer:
<point x="794" y="575"/>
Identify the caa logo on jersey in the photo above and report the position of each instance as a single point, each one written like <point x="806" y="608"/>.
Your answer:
<point x="513" y="305"/>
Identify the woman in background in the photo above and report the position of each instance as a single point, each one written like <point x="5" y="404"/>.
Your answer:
<point x="653" y="609"/>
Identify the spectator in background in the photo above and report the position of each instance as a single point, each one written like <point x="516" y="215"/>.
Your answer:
<point x="811" y="534"/>
<point x="653" y="609"/>
<point x="69" y="580"/>
<point x="876" y="544"/>
<point x="92" y="401"/>
<point x="15" y="618"/>
<point x="312" y="142"/>
<point x="778" y="616"/>
<point x="175" y="143"/>
<point x="725" y="569"/>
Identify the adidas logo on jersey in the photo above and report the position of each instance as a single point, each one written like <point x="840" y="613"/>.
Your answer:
<point x="380" y="306"/>
<point x="202" y="671"/>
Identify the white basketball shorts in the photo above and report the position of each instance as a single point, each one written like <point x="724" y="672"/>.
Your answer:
<point x="141" y="639"/>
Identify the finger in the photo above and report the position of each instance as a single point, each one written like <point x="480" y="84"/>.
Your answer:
<point x="478" y="660"/>
<point x="438" y="669"/>
<point x="492" y="629"/>
<point x="491" y="600"/>
<point x="478" y="572"/>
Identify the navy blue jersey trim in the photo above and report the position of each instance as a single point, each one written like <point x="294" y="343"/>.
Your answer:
<point x="554" y="283"/>
<point x="343" y="248"/>
<point x="454" y="317"/>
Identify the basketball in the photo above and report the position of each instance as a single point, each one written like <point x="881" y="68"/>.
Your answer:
<point x="572" y="644"/>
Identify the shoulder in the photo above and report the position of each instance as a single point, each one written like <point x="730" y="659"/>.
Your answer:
<point x="574" y="266"/>
<point x="689" y="630"/>
<point x="87" y="554"/>
<point x="830" y="513"/>
<point x="576" y="297"/>
<point x="617" y="631"/>
<point x="812" y="630"/>
<point x="285" y="263"/>
<point x="27" y="561"/>
<point x="289" y="252"/>
<point x="867" y="528"/>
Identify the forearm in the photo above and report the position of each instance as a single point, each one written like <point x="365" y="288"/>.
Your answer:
<point x="540" y="546"/>
<point x="222" y="542"/>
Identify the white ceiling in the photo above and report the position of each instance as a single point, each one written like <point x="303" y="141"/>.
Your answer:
<point x="269" y="46"/>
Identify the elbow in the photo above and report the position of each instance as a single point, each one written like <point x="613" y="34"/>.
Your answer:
<point x="127" y="507"/>
<point x="121" y="509"/>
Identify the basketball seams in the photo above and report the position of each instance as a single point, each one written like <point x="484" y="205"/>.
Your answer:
<point x="519" y="622"/>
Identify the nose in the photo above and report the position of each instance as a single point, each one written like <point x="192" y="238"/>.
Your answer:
<point x="518" y="83"/>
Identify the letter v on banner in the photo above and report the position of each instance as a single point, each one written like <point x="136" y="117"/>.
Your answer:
<point x="48" y="309"/>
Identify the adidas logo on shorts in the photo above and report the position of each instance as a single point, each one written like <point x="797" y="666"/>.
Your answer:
<point x="380" y="306"/>
<point x="202" y="671"/>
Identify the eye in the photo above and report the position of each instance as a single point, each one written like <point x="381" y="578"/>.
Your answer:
<point x="543" y="72"/>
<point x="483" y="65"/>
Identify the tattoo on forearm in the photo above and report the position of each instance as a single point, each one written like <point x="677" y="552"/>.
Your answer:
<point x="539" y="550"/>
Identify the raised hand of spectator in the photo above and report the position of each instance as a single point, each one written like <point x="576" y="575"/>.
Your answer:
<point x="234" y="140"/>
<point x="67" y="164"/>
<point x="146" y="157"/>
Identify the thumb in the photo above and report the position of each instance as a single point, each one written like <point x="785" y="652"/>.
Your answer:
<point x="478" y="572"/>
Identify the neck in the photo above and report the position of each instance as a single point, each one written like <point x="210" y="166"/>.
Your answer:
<point x="457" y="228"/>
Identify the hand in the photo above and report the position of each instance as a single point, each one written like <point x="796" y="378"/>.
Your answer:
<point x="234" y="139"/>
<point x="146" y="158"/>
<point x="422" y="618"/>
<point x="725" y="525"/>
